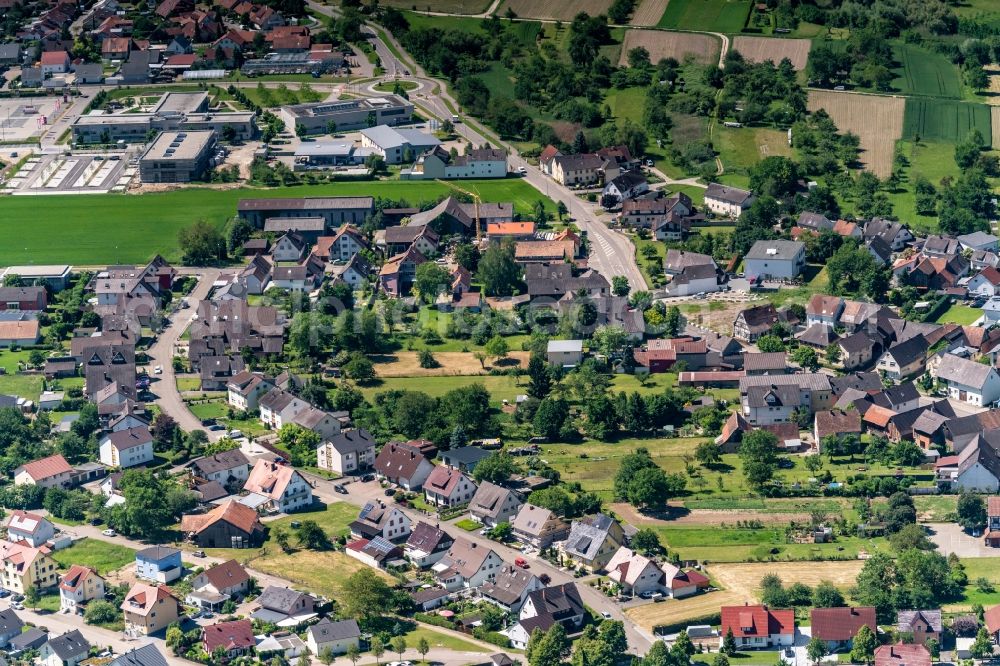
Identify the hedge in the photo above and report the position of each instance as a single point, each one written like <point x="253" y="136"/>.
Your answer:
<point x="494" y="637"/>
<point x="436" y="620"/>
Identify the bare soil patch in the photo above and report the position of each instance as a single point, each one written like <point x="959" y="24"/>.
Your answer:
<point x="876" y="119"/>
<point x="649" y="12"/>
<point x="664" y="44"/>
<point x="759" y="49"/>
<point x="407" y="364"/>
<point x="563" y="10"/>
<point x="995" y="125"/>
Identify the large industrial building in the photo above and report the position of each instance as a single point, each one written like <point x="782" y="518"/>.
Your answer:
<point x="177" y="157"/>
<point x="334" y="210"/>
<point x="348" y="114"/>
<point x="174" y="112"/>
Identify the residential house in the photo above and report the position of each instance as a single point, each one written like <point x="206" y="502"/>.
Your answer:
<point x="159" y="564"/>
<point x="838" y="626"/>
<point x="765" y="363"/>
<point x="212" y="588"/>
<point x="754" y="322"/>
<point x="54" y="62"/>
<point x="378" y="520"/>
<point x="398" y="273"/>
<point x="229" y="468"/>
<point x="492" y="505"/>
<point x="511" y="588"/>
<point x="680" y="583"/>
<point x="775" y="259"/>
<point x="29" y="528"/>
<point x="342" y="246"/>
<point x="814" y="222"/>
<point x="427" y="544"/>
<point x="245" y="389"/>
<point x="923" y="625"/>
<point x="279" y="487"/>
<point x="895" y="234"/>
<point x="235" y="638"/>
<point x="10" y="626"/>
<point x="448" y="487"/>
<point x="337" y="637"/>
<point x="940" y="246"/>
<point x="543" y="609"/>
<point x="538" y="527"/>
<point x="857" y="351"/>
<point x="992" y="536"/>
<point x="545" y="158"/>
<point x="969" y="381"/>
<point x="757" y="627"/>
<point x="467" y="564"/>
<point x="823" y="309"/>
<point x="438" y="163"/>
<point x="422" y="237"/>
<point x="564" y="353"/>
<point x="628" y="185"/>
<point x="836" y="423"/>
<point x="347" y="452"/>
<point x="284" y="606"/>
<point x="67" y="649"/>
<point x="979" y="240"/>
<point x="49" y="472"/>
<point x="403" y="465"/>
<point x="78" y="586"/>
<point x="986" y="283"/>
<point x="301" y="277"/>
<point x="290" y="247"/>
<point x="580" y="169"/>
<point x="980" y="259"/>
<point x="323" y="423"/>
<point x="727" y="201"/>
<point x="149" y="609"/>
<point x="127" y="448"/>
<point x="771" y="399"/>
<point x="593" y="540"/>
<point x="20" y="332"/>
<point x="229" y="525"/>
<point x="147" y="655"/>
<point x="278" y="407"/>
<point x="25" y="299"/>
<point x="634" y="573"/>
<point x="904" y="359"/>
<point x="902" y="654"/>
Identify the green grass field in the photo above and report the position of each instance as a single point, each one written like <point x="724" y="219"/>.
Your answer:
<point x="975" y="568"/>
<point x="626" y="103"/>
<point x="741" y="148"/>
<point x="922" y="72"/>
<point x="116" y="228"/>
<point x="960" y="314"/>
<point x="733" y="544"/>
<point x="931" y="159"/>
<point x="96" y="554"/>
<point x="727" y="16"/>
<point x="945" y="120"/>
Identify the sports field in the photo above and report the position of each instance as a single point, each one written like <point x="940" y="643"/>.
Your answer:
<point x="877" y="120"/>
<point x="678" y="45"/>
<point x="946" y="120"/>
<point x="923" y="72"/>
<point x="564" y="10"/>
<point x="759" y="49"/>
<point x="727" y="16"/>
<point x="118" y="228"/>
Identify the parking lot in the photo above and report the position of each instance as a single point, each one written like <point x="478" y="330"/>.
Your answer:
<point x="22" y="119"/>
<point x="73" y="174"/>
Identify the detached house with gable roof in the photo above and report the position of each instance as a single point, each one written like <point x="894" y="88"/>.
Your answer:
<point x="347" y="452"/>
<point x="235" y="638"/>
<point x="278" y="486"/>
<point x="904" y="359"/>
<point x="635" y="573"/>
<point x="376" y="519"/>
<point x="448" y="487"/>
<point x="757" y="627"/>
<point x="427" y="544"/>
<point x="338" y="636"/>
<point x="838" y="626"/>
<point x="228" y="468"/>
<point x="229" y="525"/>
<point x="492" y="504"/>
<point x="538" y="527"/>
<point x="228" y="580"/>
<point x="511" y="588"/>
<point x="593" y="540"/>
<point x="923" y="625"/>
<point x="50" y="472"/>
<point x="403" y="465"/>
<point x="467" y="564"/>
<point x="69" y="649"/>
<point x="543" y="609"/>
<point x="10" y="626"/>
<point x="727" y="201"/>
<point x="127" y="448"/>
<point x="78" y="586"/>
<point x="25" y="567"/>
<point x="149" y="609"/>
<point x="29" y="528"/>
<point x="969" y="381"/>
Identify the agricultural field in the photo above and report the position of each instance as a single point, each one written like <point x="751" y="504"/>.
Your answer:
<point x="562" y="10"/>
<point x="117" y="228"/>
<point x="877" y="120"/>
<point x="946" y="120"/>
<point x="648" y="12"/>
<point x="678" y="45"/>
<point x="739" y="583"/>
<point x="446" y="6"/>
<point x="923" y="72"/>
<point x="728" y="16"/>
<point x="759" y="49"/>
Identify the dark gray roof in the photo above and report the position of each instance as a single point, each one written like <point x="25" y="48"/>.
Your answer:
<point x="466" y="455"/>
<point x="220" y="461"/>
<point x="147" y="655"/>
<point x="352" y="441"/>
<point x="157" y="553"/>
<point x="910" y="350"/>
<point x="765" y="361"/>
<point x="10" y="622"/>
<point x="775" y="250"/>
<point x="732" y="195"/>
<point x="70" y="645"/>
<point x="281" y="599"/>
<point x="32" y="638"/>
<point x="856" y="342"/>
<point x="326" y="631"/>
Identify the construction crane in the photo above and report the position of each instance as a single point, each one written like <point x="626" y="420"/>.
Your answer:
<point x="475" y="200"/>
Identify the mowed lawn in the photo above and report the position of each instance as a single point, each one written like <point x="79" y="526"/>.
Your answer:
<point x="437" y="639"/>
<point x="727" y="16"/>
<point x="976" y="568"/>
<point x="117" y="228"/>
<point x="99" y="555"/>
<point x="960" y="314"/>
<point x="324" y="572"/>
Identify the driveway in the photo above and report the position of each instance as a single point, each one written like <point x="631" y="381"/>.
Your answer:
<point x="950" y="538"/>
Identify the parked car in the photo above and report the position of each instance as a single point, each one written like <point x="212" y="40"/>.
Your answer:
<point x="109" y="532"/>
<point x="235" y="434"/>
<point x="199" y="553"/>
<point x="340" y="489"/>
<point x="521" y="170"/>
<point x="389" y="492"/>
<point x="158" y="370"/>
<point x="17" y="605"/>
<point x="368" y="477"/>
<point x="606" y="615"/>
<point x="4" y="594"/>
<point x="521" y="562"/>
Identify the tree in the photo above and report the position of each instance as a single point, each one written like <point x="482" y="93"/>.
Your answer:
<point x="550" y="417"/>
<point x="32" y="596"/>
<point x="100" y="612"/>
<point x="377" y="648"/>
<point x="620" y="286"/>
<point x="983" y="645"/>
<point x="423" y="647"/>
<point x="539" y="379"/>
<point x="817" y="649"/>
<point x="647" y="542"/>
<point x="359" y="368"/>
<point x="310" y="535"/>
<point x="759" y="457"/>
<point x="826" y="595"/>
<point x="366" y="595"/>
<point x="201" y="244"/>
<point x="805" y="357"/>
<point x="497" y="347"/>
<point x="498" y="272"/>
<point x="971" y="511"/>
<point x="561" y="210"/>
<point x="399" y="645"/>
<point x="497" y="468"/>
<point x="431" y="279"/>
<point x="770" y="343"/>
<point x="865" y="642"/>
<point x="728" y="643"/>
<point x="707" y="453"/>
<point x="833" y="353"/>
<point x="672" y="322"/>
<point x="353" y="653"/>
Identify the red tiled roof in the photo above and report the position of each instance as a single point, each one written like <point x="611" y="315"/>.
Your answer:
<point x="841" y="624"/>
<point x="752" y="621"/>
<point x="237" y="634"/>
<point x="47" y="467"/>
<point x="232" y="512"/>
<point x="902" y="654"/>
<point x="992" y="619"/>
<point x="993" y="506"/>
